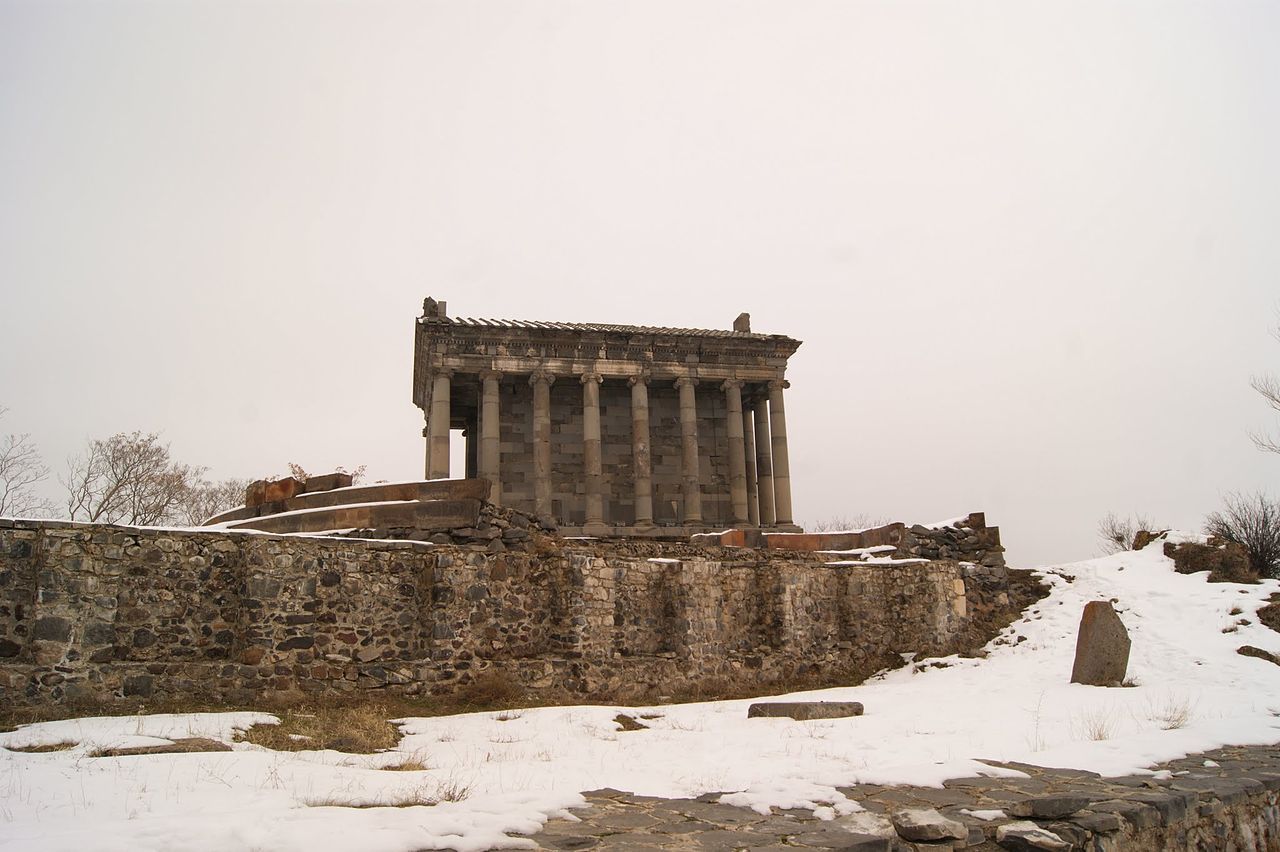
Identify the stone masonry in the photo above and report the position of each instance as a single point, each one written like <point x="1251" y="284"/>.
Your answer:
<point x="1227" y="799"/>
<point x="97" y="613"/>
<point x="611" y="429"/>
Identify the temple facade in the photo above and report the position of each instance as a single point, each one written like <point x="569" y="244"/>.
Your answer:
<point x="611" y="429"/>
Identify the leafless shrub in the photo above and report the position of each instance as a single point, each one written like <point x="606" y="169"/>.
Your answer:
<point x="1254" y="521"/>
<point x="127" y="478"/>
<point x="1117" y="533"/>
<point x="843" y="523"/>
<point x="21" y="470"/>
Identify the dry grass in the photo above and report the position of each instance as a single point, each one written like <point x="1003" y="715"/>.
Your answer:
<point x="413" y="763"/>
<point x="355" y="728"/>
<point x="1097" y="724"/>
<point x="424" y="795"/>
<point x="43" y="749"/>
<point x="1171" y="712"/>
<point x="187" y="745"/>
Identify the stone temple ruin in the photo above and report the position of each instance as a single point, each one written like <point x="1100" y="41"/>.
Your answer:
<point x="624" y="528"/>
<point x="611" y="429"/>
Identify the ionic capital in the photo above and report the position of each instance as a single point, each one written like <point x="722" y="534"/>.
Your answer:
<point x="542" y="377"/>
<point x="443" y="373"/>
<point x="731" y="384"/>
<point x="591" y="377"/>
<point x="686" y="380"/>
<point x="779" y="384"/>
<point x="641" y="379"/>
<point x="490" y="375"/>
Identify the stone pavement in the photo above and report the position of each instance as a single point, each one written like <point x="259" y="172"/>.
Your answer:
<point x="1224" y="799"/>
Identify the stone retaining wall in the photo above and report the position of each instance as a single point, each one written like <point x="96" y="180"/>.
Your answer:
<point x="98" y="613"/>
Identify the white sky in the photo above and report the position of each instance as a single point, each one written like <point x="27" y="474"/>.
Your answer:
<point x="1031" y="248"/>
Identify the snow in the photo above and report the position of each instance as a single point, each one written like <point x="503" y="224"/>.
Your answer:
<point x="929" y="721"/>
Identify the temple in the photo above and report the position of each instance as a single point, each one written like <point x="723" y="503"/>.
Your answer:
<point x="611" y="429"/>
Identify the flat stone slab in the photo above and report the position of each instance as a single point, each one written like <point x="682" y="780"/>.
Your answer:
<point x="970" y="817"/>
<point x="802" y="711"/>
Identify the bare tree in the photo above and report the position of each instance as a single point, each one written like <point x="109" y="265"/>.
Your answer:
<point x="21" y="470"/>
<point x="202" y="500"/>
<point x="846" y="523"/>
<point x="1254" y="521"/>
<point x="1268" y="385"/>
<point x="127" y="478"/>
<point x="1117" y="534"/>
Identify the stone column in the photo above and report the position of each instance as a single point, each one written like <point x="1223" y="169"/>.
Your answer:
<point x="542" y="382"/>
<point x="764" y="466"/>
<point x="737" y="457"/>
<point x="490" y="435"/>
<point x="426" y="439"/>
<point x="438" y="457"/>
<point x="749" y="462"/>
<point x="781" y="465"/>
<point x="692" y="486"/>
<point x="591" y="453"/>
<point x="640" y="450"/>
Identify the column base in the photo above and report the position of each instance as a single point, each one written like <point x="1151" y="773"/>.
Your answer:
<point x="599" y="529"/>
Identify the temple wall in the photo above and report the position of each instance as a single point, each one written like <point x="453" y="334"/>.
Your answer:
<point x="568" y="480"/>
<point x="101" y="613"/>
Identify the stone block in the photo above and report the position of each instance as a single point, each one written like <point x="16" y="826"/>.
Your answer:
<point x="326" y="482"/>
<point x="1028" y="835"/>
<point x="926" y="825"/>
<point x="282" y="489"/>
<point x="1102" y="647"/>
<point x="804" y="710"/>
<point x="1048" y="807"/>
<point x="255" y="494"/>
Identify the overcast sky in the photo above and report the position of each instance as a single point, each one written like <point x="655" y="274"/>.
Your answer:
<point x="1031" y="248"/>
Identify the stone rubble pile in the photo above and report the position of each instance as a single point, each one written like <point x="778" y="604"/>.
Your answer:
<point x="968" y="539"/>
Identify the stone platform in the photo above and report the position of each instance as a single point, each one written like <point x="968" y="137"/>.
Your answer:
<point x="1224" y="799"/>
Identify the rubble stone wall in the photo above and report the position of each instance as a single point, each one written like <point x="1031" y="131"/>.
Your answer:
<point x="98" y="613"/>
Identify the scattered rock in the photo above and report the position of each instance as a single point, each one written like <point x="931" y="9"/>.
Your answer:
<point x="1251" y="651"/>
<point x="628" y="723"/>
<point x="1102" y="647"/>
<point x="804" y="710"/>
<point x="926" y="824"/>
<point x="1028" y="835"/>
<point x="1145" y="537"/>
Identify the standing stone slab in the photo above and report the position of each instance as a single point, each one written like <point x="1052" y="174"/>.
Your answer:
<point x="1102" y="647"/>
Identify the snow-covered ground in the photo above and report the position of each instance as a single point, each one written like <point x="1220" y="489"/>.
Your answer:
<point x="923" y="724"/>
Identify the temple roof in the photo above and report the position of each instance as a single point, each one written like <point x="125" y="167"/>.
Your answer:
<point x="599" y="328"/>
